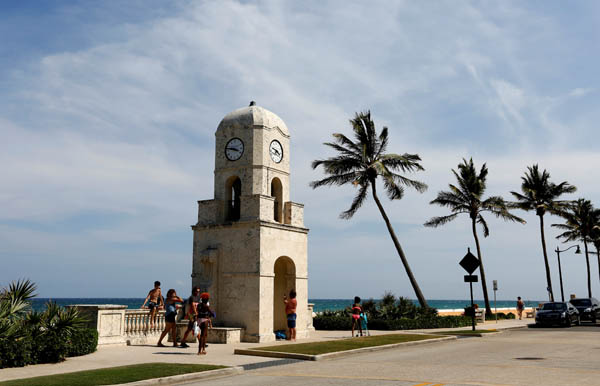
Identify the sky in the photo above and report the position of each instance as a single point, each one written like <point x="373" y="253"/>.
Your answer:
<point x="108" y="112"/>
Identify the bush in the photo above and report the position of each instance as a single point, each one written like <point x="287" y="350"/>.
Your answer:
<point x="331" y="321"/>
<point x="502" y="315"/>
<point x="82" y="342"/>
<point x="15" y="353"/>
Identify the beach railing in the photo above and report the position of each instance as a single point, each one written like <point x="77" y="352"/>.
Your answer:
<point x="138" y="328"/>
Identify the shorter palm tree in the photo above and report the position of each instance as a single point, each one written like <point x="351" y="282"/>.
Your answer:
<point x="541" y="195"/>
<point x="467" y="198"/>
<point x="580" y="219"/>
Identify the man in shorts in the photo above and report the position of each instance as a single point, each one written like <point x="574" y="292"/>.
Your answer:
<point x="155" y="300"/>
<point x="191" y="314"/>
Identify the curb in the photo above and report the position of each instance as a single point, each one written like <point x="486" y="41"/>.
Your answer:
<point x="189" y="377"/>
<point x="337" y="354"/>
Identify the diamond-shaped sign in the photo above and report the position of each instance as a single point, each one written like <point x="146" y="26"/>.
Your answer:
<point x="469" y="262"/>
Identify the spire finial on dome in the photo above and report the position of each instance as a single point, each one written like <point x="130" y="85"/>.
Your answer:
<point x="252" y="103"/>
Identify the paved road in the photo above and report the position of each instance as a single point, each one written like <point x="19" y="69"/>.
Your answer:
<point x="534" y="356"/>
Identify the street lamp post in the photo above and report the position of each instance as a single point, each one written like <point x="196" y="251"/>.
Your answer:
<point x="558" y="251"/>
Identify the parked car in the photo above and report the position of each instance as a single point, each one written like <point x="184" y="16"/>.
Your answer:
<point x="558" y="313"/>
<point x="589" y="308"/>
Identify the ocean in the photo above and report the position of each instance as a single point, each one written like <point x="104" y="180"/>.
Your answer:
<point x="320" y="304"/>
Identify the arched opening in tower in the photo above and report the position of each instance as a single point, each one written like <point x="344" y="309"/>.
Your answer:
<point x="234" y="192"/>
<point x="277" y="193"/>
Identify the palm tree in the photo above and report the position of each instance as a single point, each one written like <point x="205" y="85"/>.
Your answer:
<point x="580" y="219"/>
<point x="467" y="198"/>
<point x="14" y="304"/>
<point x="360" y="162"/>
<point x="541" y="195"/>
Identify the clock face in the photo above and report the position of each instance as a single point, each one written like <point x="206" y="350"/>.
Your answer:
<point x="276" y="151"/>
<point x="234" y="149"/>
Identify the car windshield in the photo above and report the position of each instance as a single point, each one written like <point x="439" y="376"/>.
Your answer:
<point x="581" y="302"/>
<point x="554" y="307"/>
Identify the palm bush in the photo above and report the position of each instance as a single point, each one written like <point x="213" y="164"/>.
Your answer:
<point x="29" y="337"/>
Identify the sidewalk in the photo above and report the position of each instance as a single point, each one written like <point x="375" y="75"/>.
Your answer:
<point x="218" y="354"/>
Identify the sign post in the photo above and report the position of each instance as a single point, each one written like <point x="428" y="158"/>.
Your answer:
<point x="495" y="308"/>
<point x="470" y="264"/>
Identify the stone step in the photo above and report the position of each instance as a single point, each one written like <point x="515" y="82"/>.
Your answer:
<point x="215" y="335"/>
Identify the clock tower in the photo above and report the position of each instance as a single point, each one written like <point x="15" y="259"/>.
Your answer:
<point x="250" y="243"/>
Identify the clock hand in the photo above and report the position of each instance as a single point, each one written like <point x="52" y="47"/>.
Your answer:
<point x="276" y="151"/>
<point x="232" y="148"/>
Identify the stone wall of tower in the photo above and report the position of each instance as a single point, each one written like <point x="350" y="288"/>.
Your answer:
<point x="247" y="262"/>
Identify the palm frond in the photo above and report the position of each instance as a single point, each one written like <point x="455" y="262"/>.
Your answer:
<point x="435" y="222"/>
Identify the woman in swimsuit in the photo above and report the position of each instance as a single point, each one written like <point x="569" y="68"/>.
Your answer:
<point x="204" y="314"/>
<point x="170" y="314"/>
<point x="356" y="310"/>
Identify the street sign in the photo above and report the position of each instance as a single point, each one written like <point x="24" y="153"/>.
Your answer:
<point x="471" y="279"/>
<point x="470" y="263"/>
<point x="495" y="282"/>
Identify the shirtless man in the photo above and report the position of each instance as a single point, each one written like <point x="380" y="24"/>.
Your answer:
<point x="154" y="300"/>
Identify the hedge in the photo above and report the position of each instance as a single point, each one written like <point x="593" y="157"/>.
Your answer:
<point x="336" y="322"/>
<point x="82" y="342"/>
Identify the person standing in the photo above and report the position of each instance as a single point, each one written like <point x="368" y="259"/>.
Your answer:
<point x="204" y="315"/>
<point x="191" y="313"/>
<point x="170" y="314"/>
<point x="356" y="311"/>
<point x="290" y="312"/>
<point x="154" y="300"/>
<point x="520" y="307"/>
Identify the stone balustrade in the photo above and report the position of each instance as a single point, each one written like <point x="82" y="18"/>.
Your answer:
<point x="118" y="325"/>
<point x="137" y="326"/>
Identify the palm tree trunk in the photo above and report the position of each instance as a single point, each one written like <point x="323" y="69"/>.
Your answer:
<point x="411" y="277"/>
<point x="488" y="309"/>
<point x="589" y="277"/>
<point x="548" y="277"/>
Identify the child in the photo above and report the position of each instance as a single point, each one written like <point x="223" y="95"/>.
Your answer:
<point x="204" y="314"/>
<point x="155" y="301"/>
<point x="170" y="314"/>
<point x="356" y="311"/>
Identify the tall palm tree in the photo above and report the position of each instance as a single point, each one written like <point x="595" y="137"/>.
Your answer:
<point x="580" y="219"/>
<point x="541" y="195"/>
<point x="467" y="198"/>
<point x="360" y="163"/>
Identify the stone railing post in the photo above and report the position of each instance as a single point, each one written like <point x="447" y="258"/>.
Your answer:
<point x="309" y="324"/>
<point x="107" y="319"/>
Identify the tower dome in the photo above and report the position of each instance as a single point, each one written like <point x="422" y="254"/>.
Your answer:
<point x="253" y="115"/>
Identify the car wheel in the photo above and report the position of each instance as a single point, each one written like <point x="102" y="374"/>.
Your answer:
<point x="568" y="322"/>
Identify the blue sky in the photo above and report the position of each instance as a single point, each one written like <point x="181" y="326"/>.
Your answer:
<point x="108" y="112"/>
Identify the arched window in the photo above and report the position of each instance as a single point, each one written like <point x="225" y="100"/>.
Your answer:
<point x="234" y="191"/>
<point x="277" y="193"/>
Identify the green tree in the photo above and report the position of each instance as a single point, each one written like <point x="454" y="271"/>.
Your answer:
<point x="360" y="163"/>
<point x="541" y="195"/>
<point x="580" y="220"/>
<point x="14" y="305"/>
<point x="467" y="198"/>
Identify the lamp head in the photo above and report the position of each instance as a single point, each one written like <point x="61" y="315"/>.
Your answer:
<point x="578" y="251"/>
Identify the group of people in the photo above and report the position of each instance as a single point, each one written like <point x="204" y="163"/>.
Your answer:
<point x="197" y="311"/>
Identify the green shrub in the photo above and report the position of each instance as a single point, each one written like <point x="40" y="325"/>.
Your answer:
<point x="82" y="342"/>
<point x="331" y="321"/>
<point x="50" y="347"/>
<point x="15" y="352"/>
